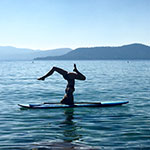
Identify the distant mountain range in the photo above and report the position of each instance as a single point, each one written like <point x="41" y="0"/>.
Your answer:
<point x="126" y="52"/>
<point x="13" y="53"/>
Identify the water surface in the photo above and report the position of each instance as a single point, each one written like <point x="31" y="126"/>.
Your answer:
<point x="121" y="127"/>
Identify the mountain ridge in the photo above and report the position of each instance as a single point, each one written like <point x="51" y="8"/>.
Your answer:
<point x="131" y="51"/>
<point x="13" y="53"/>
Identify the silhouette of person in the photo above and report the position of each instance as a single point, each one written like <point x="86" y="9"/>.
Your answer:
<point x="70" y="77"/>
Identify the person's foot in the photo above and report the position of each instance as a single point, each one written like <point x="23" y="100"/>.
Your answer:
<point x="42" y="78"/>
<point x="75" y="68"/>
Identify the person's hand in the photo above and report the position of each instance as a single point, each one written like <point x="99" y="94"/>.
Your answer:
<point x="42" y="78"/>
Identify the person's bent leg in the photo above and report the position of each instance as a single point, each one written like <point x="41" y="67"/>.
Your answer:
<point x="59" y="70"/>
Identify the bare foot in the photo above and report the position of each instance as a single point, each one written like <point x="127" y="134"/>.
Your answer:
<point x="75" y="68"/>
<point x="42" y="78"/>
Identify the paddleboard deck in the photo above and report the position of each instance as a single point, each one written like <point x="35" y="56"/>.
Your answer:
<point x="82" y="104"/>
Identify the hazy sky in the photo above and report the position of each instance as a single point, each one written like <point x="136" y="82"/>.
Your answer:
<point x="49" y="24"/>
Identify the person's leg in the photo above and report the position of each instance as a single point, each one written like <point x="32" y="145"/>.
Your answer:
<point x="79" y="75"/>
<point x="59" y="70"/>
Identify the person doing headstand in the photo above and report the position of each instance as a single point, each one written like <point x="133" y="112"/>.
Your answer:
<point x="70" y="77"/>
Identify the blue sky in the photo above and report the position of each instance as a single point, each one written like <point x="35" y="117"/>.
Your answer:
<point x="50" y="24"/>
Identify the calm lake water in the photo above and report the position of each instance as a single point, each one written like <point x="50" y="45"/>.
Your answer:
<point x="121" y="127"/>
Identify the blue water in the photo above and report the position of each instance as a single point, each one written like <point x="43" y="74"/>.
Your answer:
<point x="121" y="127"/>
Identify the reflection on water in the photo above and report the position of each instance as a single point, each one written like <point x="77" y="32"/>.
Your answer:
<point x="70" y="133"/>
<point x="69" y="127"/>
